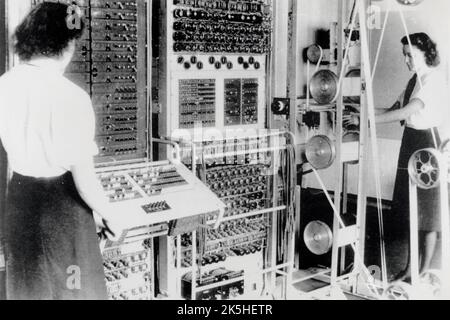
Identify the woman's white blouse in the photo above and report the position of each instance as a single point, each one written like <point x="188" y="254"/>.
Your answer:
<point x="433" y="92"/>
<point x="47" y="123"/>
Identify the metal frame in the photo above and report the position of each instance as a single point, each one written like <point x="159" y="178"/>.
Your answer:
<point x="170" y="245"/>
<point x="445" y="229"/>
<point x="349" y="235"/>
<point x="292" y="94"/>
<point x="340" y="170"/>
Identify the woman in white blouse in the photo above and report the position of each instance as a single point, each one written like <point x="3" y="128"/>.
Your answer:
<point x="47" y="127"/>
<point x="423" y="109"/>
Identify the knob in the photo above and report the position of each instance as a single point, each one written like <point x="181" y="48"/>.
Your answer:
<point x="178" y="26"/>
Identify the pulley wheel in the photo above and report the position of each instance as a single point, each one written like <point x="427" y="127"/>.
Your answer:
<point x="399" y="291"/>
<point x="354" y="73"/>
<point x="318" y="237"/>
<point x="324" y="86"/>
<point x="313" y="53"/>
<point x="320" y="152"/>
<point x="350" y="136"/>
<point x="423" y="168"/>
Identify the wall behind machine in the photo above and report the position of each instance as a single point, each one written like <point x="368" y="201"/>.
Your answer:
<point x="391" y="78"/>
<point x="314" y="15"/>
<point x="392" y="75"/>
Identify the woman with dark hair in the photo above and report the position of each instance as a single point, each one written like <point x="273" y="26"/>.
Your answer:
<point x="47" y="127"/>
<point x="423" y="109"/>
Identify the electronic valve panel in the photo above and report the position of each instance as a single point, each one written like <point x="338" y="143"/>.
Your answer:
<point x="214" y="73"/>
<point x="148" y="197"/>
<point x="244" y="172"/>
<point x="110" y="65"/>
<point x="129" y="271"/>
<point x="220" y="26"/>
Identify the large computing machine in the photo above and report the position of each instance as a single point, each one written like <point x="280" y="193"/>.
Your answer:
<point x="111" y="64"/>
<point x="212" y="70"/>
<point x="199" y="224"/>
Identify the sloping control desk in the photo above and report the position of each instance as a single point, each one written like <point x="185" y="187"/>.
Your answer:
<point x="148" y="194"/>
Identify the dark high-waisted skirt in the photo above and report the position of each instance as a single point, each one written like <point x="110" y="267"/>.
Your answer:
<point x="428" y="200"/>
<point x="52" y="248"/>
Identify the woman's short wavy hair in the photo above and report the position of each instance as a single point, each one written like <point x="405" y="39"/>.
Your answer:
<point x="424" y="43"/>
<point x="45" y="31"/>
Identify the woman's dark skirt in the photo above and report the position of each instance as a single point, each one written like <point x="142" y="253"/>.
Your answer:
<point x="428" y="200"/>
<point x="51" y="242"/>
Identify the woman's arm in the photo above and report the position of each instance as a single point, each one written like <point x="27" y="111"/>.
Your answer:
<point x="395" y="115"/>
<point x="92" y="193"/>
<point x="353" y="119"/>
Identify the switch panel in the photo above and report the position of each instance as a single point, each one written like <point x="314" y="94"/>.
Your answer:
<point x="197" y="103"/>
<point x="110" y="65"/>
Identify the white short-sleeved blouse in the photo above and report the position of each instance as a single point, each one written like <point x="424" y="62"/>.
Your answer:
<point x="47" y="123"/>
<point x="433" y="92"/>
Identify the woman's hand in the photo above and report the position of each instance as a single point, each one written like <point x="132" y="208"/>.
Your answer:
<point x="351" y="119"/>
<point x="109" y="228"/>
<point x="91" y="192"/>
<point x="113" y="229"/>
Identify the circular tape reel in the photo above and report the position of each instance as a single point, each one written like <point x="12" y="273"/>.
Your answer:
<point x="324" y="86"/>
<point x="318" y="238"/>
<point x="320" y="152"/>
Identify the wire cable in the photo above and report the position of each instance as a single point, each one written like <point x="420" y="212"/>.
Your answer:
<point x="373" y="134"/>
<point x="380" y="43"/>
<point x="405" y="27"/>
<point x="342" y="225"/>
<point x="346" y="53"/>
